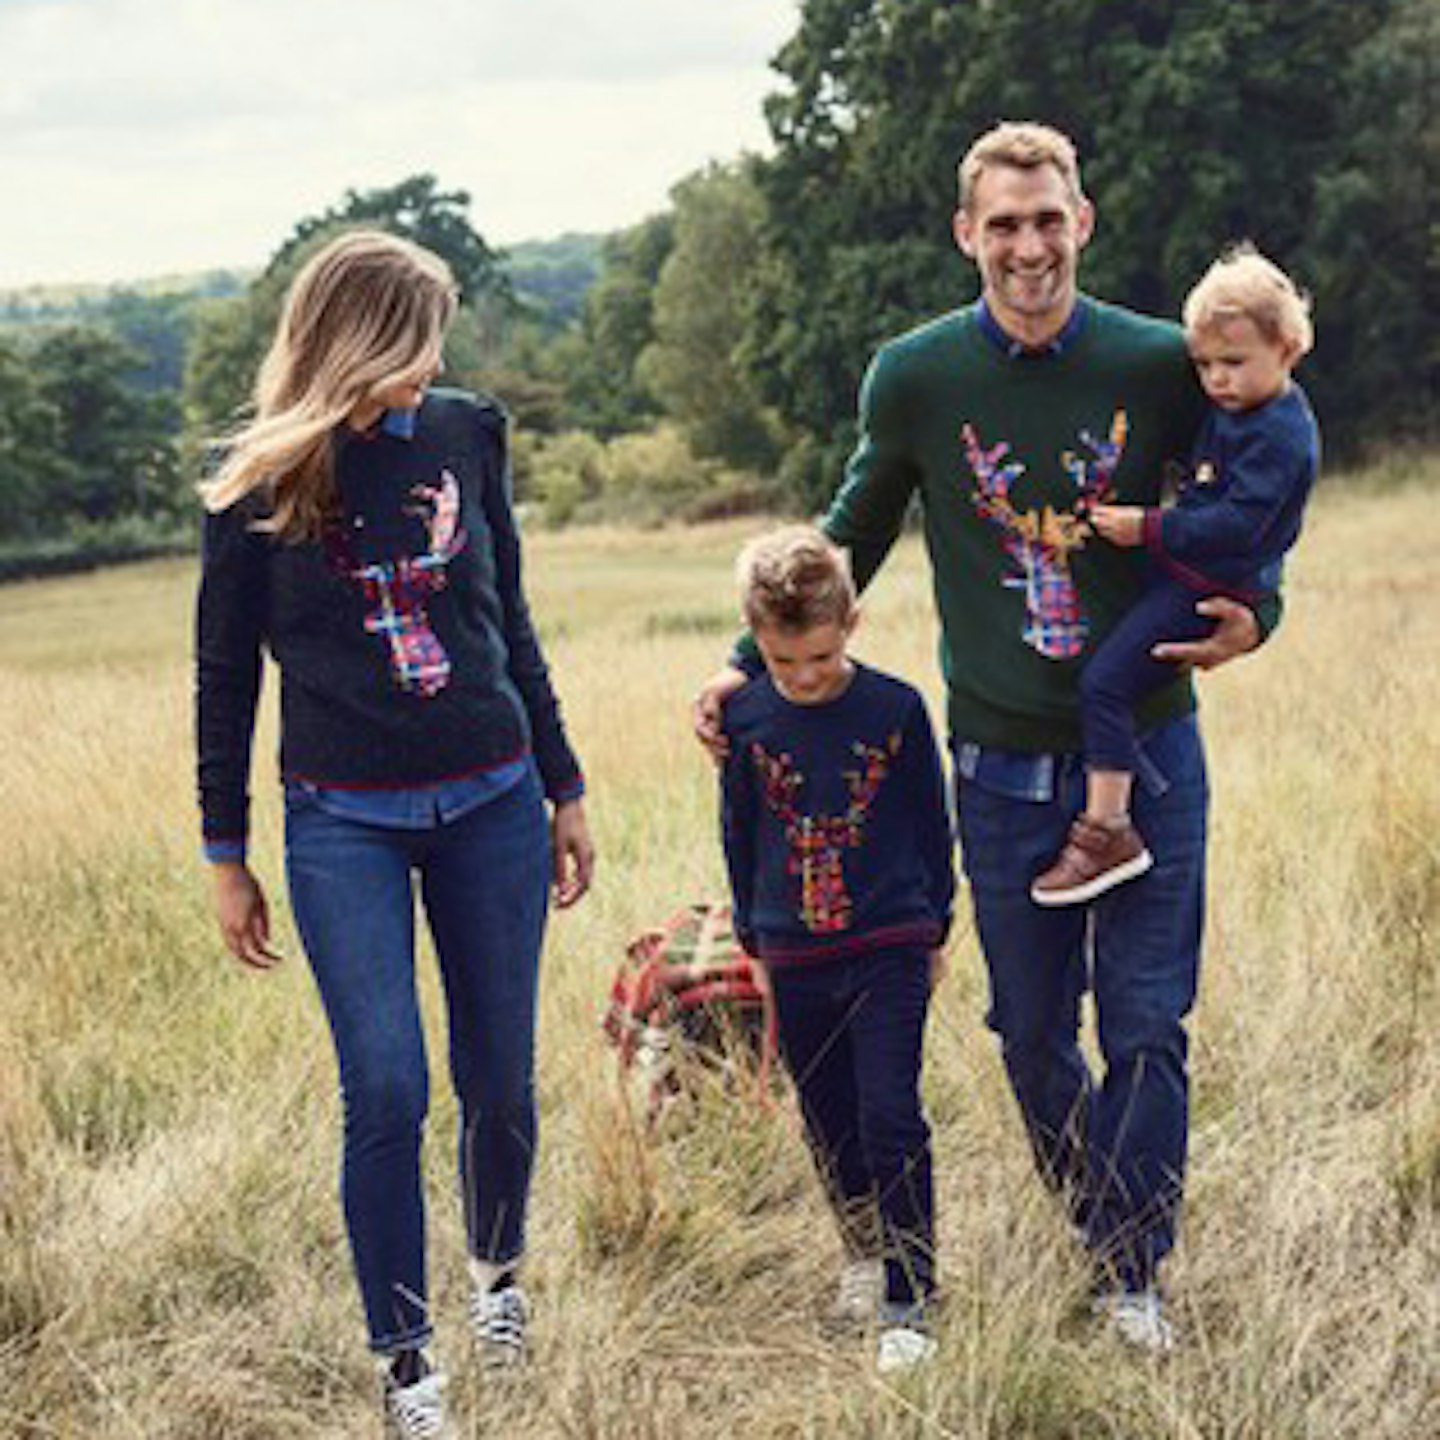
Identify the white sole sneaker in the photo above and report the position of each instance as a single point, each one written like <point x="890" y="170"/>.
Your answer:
<point x="1092" y="889"/>
<point x="902" y="1348"/>
<point x="498" y="1319"/>
<point x="1137" y="1317"/>
<point x="417" y="1412"/>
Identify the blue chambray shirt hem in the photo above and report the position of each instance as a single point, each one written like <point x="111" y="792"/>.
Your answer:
<point x="1036" y="777"/>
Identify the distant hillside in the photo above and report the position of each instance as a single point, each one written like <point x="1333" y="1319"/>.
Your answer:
<point x="51" y="304"/>
<point x="552" y="276"/>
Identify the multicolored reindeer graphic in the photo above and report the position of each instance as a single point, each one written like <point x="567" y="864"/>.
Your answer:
<point x="1041" y="542"/>
<point x="398" y="589"/>
<point x="818" y="842"/>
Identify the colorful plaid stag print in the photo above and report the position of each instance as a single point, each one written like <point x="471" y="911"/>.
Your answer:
<point x="397" y="591"/>
<point x="1041" y="542"/>
<point x="817" y="843"/>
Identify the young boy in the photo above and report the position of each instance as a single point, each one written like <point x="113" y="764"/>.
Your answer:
<point x="838" y="844"/>
<point x="1254" y="465"/>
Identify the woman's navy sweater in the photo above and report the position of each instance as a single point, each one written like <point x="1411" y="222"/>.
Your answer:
<point x="404" y="642"/>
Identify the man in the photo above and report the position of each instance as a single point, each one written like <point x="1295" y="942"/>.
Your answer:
<point x="1011" y="419"/>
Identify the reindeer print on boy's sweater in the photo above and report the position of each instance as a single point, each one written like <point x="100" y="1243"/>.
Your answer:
<point x="817" y="843"/>
<point x="397" y="591"/>
<point x="1041" y="542"/>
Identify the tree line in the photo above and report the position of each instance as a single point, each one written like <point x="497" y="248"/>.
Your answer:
<point x="706" y="359"/>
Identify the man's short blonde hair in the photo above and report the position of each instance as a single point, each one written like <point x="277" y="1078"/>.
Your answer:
<point x="1023" y="145"/>
<point x="1243" y="284"/>
<point x="794" y="579"/>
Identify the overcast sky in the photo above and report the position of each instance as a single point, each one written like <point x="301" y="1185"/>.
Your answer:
<point x="148" y="137"/>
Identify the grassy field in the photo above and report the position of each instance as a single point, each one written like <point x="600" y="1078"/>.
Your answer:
<point x="172" y="1261"/>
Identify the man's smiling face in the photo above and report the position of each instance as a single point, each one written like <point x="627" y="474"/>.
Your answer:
<point x="1024" y="230"/>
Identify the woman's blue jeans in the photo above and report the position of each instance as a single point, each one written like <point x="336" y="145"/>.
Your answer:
<point x="483" y="882"/>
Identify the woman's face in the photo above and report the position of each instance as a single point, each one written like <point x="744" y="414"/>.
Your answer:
<point x="406" y="390"/>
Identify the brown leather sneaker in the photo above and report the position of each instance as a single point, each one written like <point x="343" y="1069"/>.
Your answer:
<point x="1096" y="858"/>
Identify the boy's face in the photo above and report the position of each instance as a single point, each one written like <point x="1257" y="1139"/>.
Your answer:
<point x="1239" y="366"/>
<point x="810" y="666"/>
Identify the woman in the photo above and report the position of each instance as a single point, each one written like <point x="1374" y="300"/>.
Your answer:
<point x="360" y="529"/>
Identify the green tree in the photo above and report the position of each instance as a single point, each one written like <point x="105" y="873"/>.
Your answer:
<point x="1373" y="257"/>
<point x="700" y="299"/>
<point x="599" y="362"/>
<point x="856" y="239"/>
<point x="118" y="458"/>
<point x="33" y="468"/>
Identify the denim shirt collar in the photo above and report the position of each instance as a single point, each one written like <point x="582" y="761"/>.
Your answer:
<point x="399" y="424"/>
<point x="1014" y="349"/>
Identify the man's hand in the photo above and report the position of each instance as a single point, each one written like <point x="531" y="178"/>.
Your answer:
<point x="1120" y="524"/>
<point x="243" y="915"/>
<point x="1237" y="631"/>
<point x="573" y="852"/>
<point x="709" y="706"/>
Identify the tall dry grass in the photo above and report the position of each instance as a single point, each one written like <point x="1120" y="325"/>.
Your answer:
<point x="172" y="1261"/>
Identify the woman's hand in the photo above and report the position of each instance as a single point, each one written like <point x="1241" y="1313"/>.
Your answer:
<point x="243" y="915"/>
<point x="572" y="851"/>
<point x="709" y="706"/>
<point x="939" y="969"/>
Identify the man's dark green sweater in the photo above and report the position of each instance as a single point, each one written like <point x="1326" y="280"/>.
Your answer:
<point x="1007" y="452"/>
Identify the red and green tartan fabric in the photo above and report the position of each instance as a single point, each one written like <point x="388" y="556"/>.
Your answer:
<point x="686" y="990"/>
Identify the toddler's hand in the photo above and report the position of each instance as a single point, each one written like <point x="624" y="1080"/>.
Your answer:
<point x="1120" y="524"/>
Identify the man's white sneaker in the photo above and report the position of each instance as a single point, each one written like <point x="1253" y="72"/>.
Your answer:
<point x="498" y="1319"/>
<point x="1138" y="1318"/>
<point x="859" y="1293"/>
<point x="417" y="1412"/>
<point x="902" y="1348"/>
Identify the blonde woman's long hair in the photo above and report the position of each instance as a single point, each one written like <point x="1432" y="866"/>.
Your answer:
<point x="363" y="313"/>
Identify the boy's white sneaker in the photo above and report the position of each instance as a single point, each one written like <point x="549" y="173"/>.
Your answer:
<point x="498" y="1318"/>
<point x="1138" y="1318"/>
<point x="417" y="1412"/>
<point x="902" y="1348"/>
<point x="859" y="1292"/>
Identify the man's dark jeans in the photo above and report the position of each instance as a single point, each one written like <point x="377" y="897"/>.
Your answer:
<point x="1115" y="1147"/>
<point x="483" y="881"/>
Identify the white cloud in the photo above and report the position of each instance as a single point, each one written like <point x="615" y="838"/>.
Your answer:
<point x="147" y="136"/>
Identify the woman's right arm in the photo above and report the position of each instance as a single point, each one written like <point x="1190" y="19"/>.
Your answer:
<point x="229" y="626"/>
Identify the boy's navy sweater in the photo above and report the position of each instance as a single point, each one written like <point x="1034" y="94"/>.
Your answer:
<point x="1240" y="510"/>
<point x="836" y="831"/>
<point x="405" y="646"/>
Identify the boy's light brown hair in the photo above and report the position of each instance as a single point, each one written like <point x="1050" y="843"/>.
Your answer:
<point x="1024" y="145"/>
<point x="794" y="579"/>
<point x="1243" y="285"/>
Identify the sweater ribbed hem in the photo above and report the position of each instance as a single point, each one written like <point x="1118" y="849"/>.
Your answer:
<point x="786" y="950"/>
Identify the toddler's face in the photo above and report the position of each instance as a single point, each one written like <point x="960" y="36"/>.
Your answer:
<point x="810" y="666"/>
<point x="1240" y="367"/>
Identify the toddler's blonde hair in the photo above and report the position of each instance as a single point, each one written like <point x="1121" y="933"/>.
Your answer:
<point x="1243" y="284"/>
